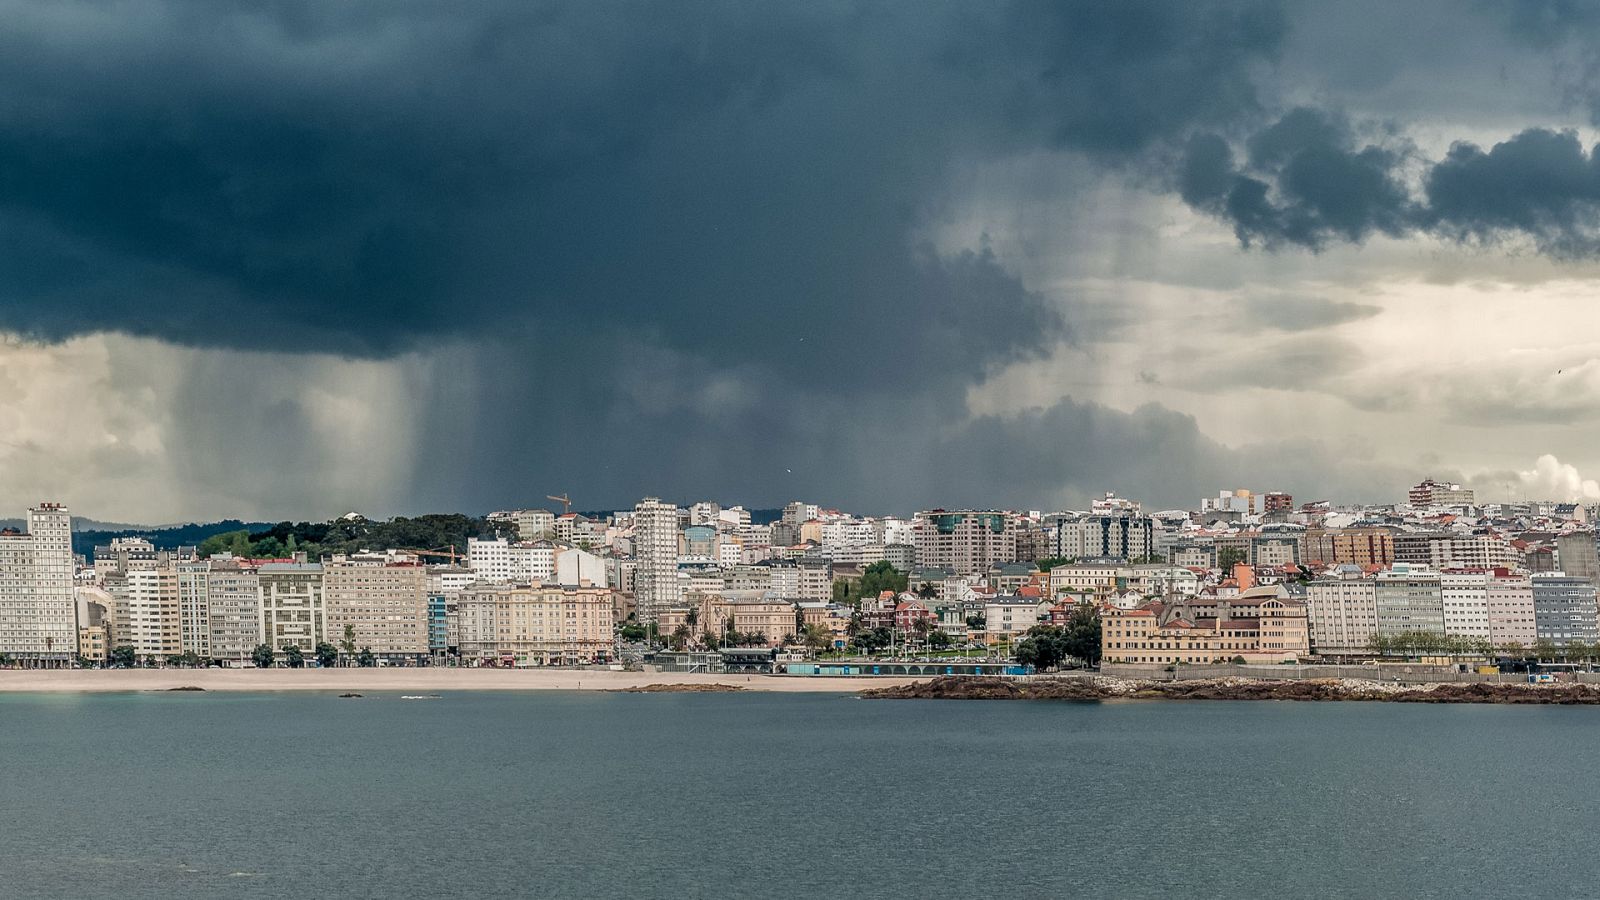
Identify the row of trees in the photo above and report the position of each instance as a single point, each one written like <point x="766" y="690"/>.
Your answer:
<point x="1433" y="643"/>
<point x="326" y="655"/>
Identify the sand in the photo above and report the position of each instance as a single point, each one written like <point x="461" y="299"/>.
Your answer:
<point x="420" y="680"/>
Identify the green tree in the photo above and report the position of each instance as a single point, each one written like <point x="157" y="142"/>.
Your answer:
<point x="293" y="656"/>
<point x="327" y="655"/>
<point x="262" y="655"/>
<point x="365" y="659"/>
<point x="709" y="640"/>
<point x="1050" y="562"/>
<point x="348" y="644"/>
<point x="1228" y="557"/>
<point x="1043" y="647"/>
<point x="939" y="639"/>
<point x="680" y="637"/>
<point x="879" y="577"/>
<point x="976" y="623"/>
<point x="124" y="657"/>
<point x="816" y="638"/>
<point x="1081" y="635"/>
<point x="633" y="632"/>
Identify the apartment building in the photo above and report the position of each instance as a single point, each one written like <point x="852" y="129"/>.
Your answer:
<point x="145" y="613"/>
<point x="38" y="609"/>
<point x="534" y="625"/>
<point x="1361" y="547"/>
<point x="1409" y="599"/>
<point x="1465" y="595"/>
<point x="292" y="605"/>
<point x="233" y="598"/>
<point x="965" y="541"/>
<point x="383" y="604"/>
<point x="655" y="541"/>
<point x="1564" y="609"/>
<point x="1512" y="622"/>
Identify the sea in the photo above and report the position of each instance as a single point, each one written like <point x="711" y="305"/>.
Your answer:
<point x="597" y="795"/>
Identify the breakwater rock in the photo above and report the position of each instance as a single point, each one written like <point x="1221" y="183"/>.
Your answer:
<point x="678" y="689"/>
<point x="956" y="687"/>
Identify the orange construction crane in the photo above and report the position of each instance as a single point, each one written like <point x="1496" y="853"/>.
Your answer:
<point x="564" y="500"/>
<point x="445" y="552"/>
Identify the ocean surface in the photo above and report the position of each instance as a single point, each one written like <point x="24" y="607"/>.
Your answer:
<point x="788" y="795"/>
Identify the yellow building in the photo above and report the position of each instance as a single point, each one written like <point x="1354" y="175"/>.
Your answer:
<point x="92" y="643"/>
<point x="774" y="620"/>
<point x="1161" y="633"/>
<point x="535" y="625"/>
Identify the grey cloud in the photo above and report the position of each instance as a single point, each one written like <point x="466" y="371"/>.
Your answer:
<point x="1310" y="180"/>
<point x="1280" y="312"/>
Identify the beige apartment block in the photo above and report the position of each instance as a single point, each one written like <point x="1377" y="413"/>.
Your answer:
<point x="384" y="603"/>
<point x="534" y="625"/>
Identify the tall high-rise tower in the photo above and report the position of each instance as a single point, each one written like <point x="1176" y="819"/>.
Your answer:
<point x="38" y="612"/>
<point x="655" y="541"/>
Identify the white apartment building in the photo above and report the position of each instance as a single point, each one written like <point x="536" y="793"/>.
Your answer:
<point x="145" y="614"/>
<point x="38" y="609"/>
<point x="1343" y="612"/>
<point x="655" y="539"/>
<point x="498" y="561"/>
<point x="194" y="607"/>
<point x="1466" y="602"/>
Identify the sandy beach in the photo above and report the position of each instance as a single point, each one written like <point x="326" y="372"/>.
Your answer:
<point x="429" y="680"/>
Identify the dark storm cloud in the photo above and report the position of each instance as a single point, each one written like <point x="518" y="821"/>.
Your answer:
<point x="683" y="238"/>
<point x="1309" y="180"/>
<point x="356" y="175"/>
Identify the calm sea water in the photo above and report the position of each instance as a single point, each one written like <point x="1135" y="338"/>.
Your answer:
<point x="764" y="795"/>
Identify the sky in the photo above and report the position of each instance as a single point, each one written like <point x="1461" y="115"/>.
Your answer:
<point x="290" y="259"/>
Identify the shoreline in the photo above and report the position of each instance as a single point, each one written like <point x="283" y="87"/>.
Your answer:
<point x="1097" y="688"/>
<point x="39" y="681"/>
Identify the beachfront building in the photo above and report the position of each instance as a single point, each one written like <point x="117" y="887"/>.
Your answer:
<point x="194" y="607"/>
<point x="38" y="610"/>
<point x="233" y="605"/>
<point x="144" y="611"/>
<point x="534" y="625"/>
<point x="1343" y="611"/>
<point x="292" y="610"/>
<point x="383" y="605"/>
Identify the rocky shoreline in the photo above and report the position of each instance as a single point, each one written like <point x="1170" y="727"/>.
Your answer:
<point x="955" y="687"/>
<point x="678" y="689"/>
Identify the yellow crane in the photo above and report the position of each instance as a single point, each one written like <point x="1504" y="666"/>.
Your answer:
<point x="564" y="500"/>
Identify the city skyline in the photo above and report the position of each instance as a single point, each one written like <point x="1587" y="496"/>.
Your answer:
<point x="288" y="261"/>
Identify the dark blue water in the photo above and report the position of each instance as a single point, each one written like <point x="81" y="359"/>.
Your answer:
<point x="765" y="795"/>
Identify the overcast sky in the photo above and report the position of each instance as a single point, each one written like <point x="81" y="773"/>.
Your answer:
<point x="285" y="260"/>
